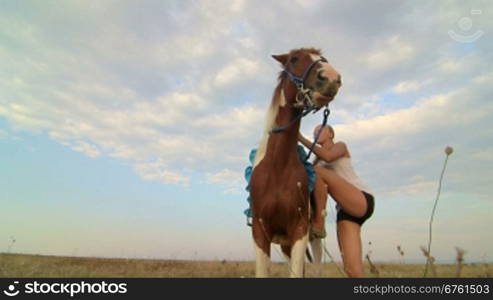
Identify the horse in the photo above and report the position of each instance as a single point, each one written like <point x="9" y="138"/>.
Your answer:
<point x="279" y="182"/>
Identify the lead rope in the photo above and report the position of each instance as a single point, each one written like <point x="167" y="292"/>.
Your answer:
<point x="324" y="122"/>
<point x="301" y="115"/>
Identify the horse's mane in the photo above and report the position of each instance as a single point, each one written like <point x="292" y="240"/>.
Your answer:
<point x="275" y="102"/>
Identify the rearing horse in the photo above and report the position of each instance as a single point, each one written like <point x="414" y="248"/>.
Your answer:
<point x="279" y="182"/>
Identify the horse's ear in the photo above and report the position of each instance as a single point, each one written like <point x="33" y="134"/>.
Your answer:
<point x="282" y="58"/>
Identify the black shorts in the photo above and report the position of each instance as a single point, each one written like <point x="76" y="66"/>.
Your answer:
<point x="370" y="206"/>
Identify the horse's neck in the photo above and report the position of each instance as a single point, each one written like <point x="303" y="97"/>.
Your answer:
<point x="282" y="146"/>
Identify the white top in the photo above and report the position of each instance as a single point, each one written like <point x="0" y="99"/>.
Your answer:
<point x="343" y="167"/>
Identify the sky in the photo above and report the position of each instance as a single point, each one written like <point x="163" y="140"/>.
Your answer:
<point x="125" y="126"/>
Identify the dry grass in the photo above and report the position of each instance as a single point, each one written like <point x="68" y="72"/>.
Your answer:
<point x="18" y="265"/>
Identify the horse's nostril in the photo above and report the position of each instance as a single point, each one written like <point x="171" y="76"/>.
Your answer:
<point x="320" y="76"/>
<point x="339" y="80"/>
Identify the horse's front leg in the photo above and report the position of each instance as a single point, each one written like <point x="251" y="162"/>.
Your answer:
<point x="262" y="260"/>
<point x="262" y="250"/>
<point x="300" y="236"/>
<point x="298" y="256"/>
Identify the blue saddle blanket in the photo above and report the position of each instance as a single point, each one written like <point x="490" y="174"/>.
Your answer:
<point x="249" y="170"/>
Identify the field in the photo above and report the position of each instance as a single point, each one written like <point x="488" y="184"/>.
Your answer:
<point x="20" y="265"/>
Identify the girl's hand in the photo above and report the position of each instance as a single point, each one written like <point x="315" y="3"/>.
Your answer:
<point x="303" y="140"/>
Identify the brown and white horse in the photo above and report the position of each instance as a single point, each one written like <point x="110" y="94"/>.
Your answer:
<point x="279" y="182"/>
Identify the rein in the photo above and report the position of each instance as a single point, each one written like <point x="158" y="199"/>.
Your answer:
<point x="324" y="122"/>
<point x="301" y="115"/>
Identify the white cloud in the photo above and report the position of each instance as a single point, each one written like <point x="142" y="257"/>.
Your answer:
<point x="223" y="176"/>
<point x="417" y="188"/>
<point x="141" y="90"/>
<point x="231" y="180"/>
<point x="308" y="4"/>
<point x="400" y="122"/>
<point x="157" y="170"/>
<point x="396" y="147"/>
<point x="485" y="155"/>
<point x="390" y="53"/>
<point x="450" y="66"/>
<point x="238" y="5"/>
<point x="86" y="148"/>
<point x="406" y="86"/>
<point x="239" y="69"/>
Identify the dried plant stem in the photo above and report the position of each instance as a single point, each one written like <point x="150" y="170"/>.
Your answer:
<point x="432" y="216"/>
<point x="11" y="244"/>
<point x="460" y="260"/>
<point x="373" y="268"/>
<point x="401" y="253"/>
<point x="431" y="259"/>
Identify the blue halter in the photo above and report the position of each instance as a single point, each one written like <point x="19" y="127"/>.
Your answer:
<point x="300" y="81"/>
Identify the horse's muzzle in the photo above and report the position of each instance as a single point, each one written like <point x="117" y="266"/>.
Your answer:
<point x="326" y="92"/>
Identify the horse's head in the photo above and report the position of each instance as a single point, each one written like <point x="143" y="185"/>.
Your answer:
<point x="316" y="81"/>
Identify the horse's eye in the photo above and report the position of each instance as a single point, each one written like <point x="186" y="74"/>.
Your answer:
<point x="323" y="59"/>
<point x="293" y="60"/>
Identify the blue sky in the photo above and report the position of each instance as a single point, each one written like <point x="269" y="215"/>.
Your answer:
<point x="125" y="126"/>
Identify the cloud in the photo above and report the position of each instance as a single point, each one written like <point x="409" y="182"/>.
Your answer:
<point x="229" y="179"/>
<point x="86" y="148"/>
<point x="483" y="155"/>
<point x="158" y="171"/>
<point x="235" y="71"/>
<point x="189" y="85"/>
<point x="406" y="86"/>
<point x="409" y="142"/>
<point x="392" y="52"/>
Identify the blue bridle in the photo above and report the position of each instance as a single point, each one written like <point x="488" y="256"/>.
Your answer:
<point x="300" y="81"/>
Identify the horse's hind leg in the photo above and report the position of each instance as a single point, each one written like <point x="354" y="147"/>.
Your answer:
<point x="316" y="246"/>
<point x="298" y="257"/>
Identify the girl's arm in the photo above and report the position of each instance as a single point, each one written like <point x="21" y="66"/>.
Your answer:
<point x="338" y="150"/>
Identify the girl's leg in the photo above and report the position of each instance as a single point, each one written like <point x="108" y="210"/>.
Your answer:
<point x="350" y="198"/>
<point x="349" y="237"/>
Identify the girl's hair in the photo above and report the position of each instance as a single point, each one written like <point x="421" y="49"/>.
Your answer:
<point x="319" y="127"/>
<point x="315" y="132"/>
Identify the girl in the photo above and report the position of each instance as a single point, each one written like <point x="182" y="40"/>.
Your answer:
<point x="335" y="176"/>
